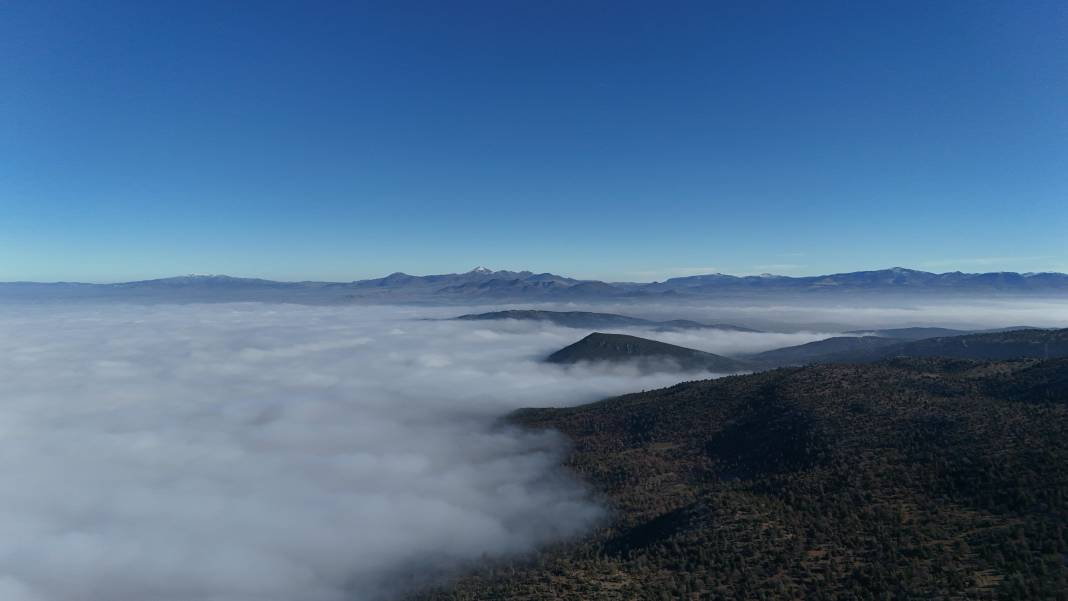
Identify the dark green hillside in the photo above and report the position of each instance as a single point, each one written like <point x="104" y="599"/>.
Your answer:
<point x="1044" y="382"/>
<point x="992" y="346"/>
<point x="919" y="333"/>
<point x="907" y="479"/>
<point x="649" y="354"/>
<point x="1032" y="344"/>
<point x="855" y="346"/>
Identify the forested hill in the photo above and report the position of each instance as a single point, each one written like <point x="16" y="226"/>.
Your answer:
<point x="910" y="478"/>
<point x="647" y="354"/>
<point x="1032" y="343"/>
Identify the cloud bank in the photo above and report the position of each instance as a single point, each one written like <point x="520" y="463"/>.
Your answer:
<point x="821" y="315"/>
<point x="274" y="452"/>
<point x="239" y="452"/>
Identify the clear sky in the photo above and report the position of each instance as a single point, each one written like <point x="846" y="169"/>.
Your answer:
<point x="618" y="140"/>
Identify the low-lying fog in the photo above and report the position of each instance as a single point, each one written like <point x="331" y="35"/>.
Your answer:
<point x="845" y="312"/>
<point x="280" y="452"/>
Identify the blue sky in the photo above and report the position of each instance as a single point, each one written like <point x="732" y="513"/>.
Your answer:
<point x="613" y="140"/>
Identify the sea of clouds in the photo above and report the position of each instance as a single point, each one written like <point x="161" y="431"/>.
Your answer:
<point x="275" y="452"/>
<point x="239" y="452"/>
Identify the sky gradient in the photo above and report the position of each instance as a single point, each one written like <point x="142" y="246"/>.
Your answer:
<point x="621" y="141"/>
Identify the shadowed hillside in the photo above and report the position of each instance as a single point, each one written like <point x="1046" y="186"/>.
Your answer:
<point x="993" y="346"/>
<point x="1031" y="344"/>
<point x="906" y="479"/>
<point x="820" y="350"/>
<point x="648" y="354"/>
<point x="918" y="333"/>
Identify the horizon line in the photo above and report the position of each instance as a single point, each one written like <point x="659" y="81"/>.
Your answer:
<point x="486" y="271"/>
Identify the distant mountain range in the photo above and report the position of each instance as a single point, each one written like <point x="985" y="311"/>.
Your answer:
<point x="590" y="320"/>
<point x="650" y="355"/>
<point x="486" y="285"/>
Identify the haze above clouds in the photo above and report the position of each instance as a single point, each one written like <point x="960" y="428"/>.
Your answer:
<point x="822" y="315"/>
<point x="278" y="452"/>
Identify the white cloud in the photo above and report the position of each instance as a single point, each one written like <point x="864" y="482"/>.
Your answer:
<point x="279" y="452"/>
<point x="239" y="452"/>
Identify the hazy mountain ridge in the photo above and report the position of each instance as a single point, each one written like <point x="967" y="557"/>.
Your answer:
<point x="589" y="319"/>
<point x="483" y="284"/>
<point x="892" y="278"/>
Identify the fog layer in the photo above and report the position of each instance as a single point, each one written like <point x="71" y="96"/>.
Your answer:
<point x="234" y="452"/>
<point x="281" y="452"/>
<point x="821" y="314"/>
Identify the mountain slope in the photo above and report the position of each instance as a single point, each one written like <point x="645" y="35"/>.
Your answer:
<point x="1032" y="343"/>
<point x="919" y="333"/>
<point x="908" y="479"/>
<point x="822" y="350"/>
<point x="1013" y="344"/>
<point x="910" y="333"/>
<point x="649" y="354"/>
